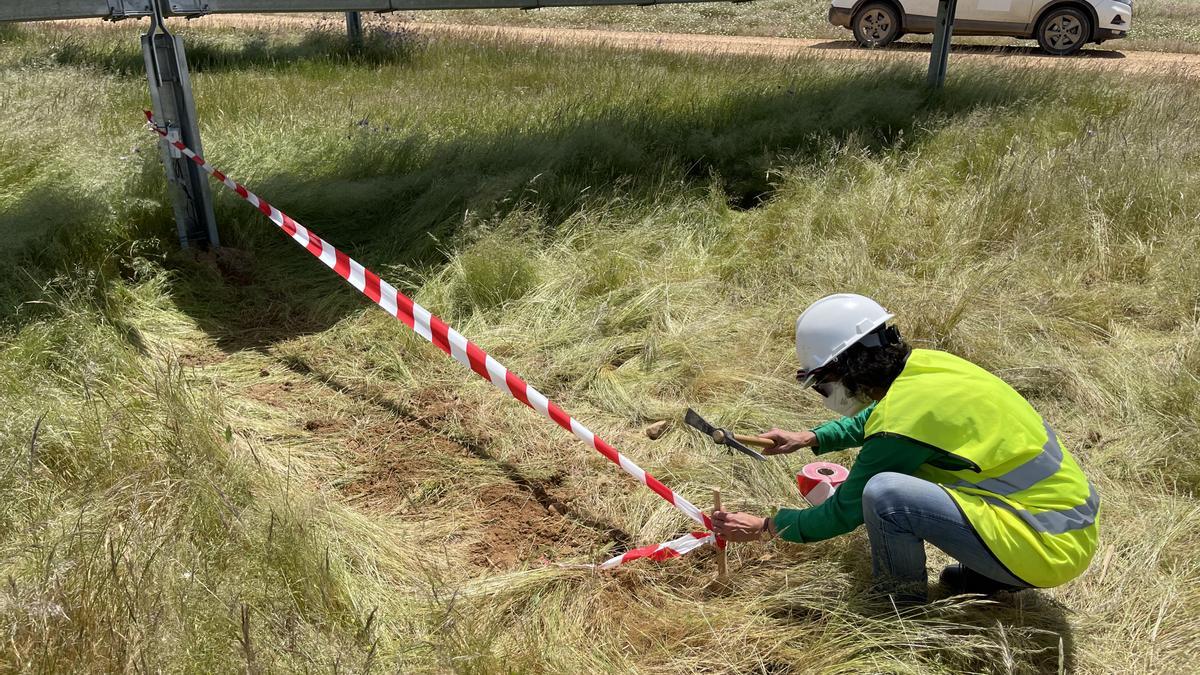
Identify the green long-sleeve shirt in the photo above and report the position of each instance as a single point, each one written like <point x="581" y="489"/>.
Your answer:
<point x="842" y="512"/>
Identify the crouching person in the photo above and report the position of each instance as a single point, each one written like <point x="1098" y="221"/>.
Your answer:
<point x="951" y="456"/>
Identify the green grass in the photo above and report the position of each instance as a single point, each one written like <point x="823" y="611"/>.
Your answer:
<point x="240" y="464"/>
<point x="1158" y="25"/>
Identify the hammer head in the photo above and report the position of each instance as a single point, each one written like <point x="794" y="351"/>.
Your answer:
<point x="719" y="436"/>
<point x="694" y="420"/>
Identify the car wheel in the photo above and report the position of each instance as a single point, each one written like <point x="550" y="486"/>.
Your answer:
<point x="1063" y="31"/>
<point x="876" y="25"/>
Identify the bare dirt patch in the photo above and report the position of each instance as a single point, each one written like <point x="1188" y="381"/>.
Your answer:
<point x="408" y="457"/>
<point x="271" y="393"/>
<point x="398" y="465"/>
<point x="517" y="528"/>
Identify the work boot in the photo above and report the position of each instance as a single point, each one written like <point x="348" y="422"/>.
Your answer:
<point x="958" y="579"/>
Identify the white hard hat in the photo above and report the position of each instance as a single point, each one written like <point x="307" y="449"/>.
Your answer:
<point x="830" y="326"/>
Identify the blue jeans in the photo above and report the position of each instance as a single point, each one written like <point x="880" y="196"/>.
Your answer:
<point x="902" y="513"/>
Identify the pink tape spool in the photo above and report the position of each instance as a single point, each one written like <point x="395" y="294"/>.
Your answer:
<point x="819" y="480"/>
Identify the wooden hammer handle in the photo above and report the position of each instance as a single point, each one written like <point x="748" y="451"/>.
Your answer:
<point x="720" y="435"/>
<point x="754" y="440"/>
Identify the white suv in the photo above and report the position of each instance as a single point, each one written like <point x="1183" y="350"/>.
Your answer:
<point x="1060" y="26"/>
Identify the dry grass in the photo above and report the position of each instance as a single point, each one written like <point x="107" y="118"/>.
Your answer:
<point x="241" y="465"/>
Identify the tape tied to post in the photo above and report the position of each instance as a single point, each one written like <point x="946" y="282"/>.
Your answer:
<point x="455" y="345"/>
<point x="819" y="480"/>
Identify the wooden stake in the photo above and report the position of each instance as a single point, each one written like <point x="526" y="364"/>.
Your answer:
<point x="1104" y="568"/>
<point x="722" y="559"/>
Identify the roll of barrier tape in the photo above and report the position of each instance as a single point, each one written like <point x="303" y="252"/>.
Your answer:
<point x="819" y="480"/>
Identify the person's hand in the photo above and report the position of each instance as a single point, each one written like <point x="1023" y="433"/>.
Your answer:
<point x="788" y="441"/>
<point x="737" y="527"/>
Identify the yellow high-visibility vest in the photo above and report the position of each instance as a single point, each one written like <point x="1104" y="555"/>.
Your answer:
<point x="1025" y="495"/>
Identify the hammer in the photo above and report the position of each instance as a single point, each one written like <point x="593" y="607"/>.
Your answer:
<point x="727" y="438"/>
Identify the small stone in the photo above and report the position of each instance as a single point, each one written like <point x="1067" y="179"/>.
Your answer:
<point x="654" y="431"/>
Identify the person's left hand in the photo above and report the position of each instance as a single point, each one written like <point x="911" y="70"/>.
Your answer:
<point x="737" y="527"/>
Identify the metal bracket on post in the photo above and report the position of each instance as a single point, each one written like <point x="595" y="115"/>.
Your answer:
<point x="189" y="8"/>
<point x="171" y="94"/>
<point x="940" y="53"/>
<point x="121" y="9"/>
<point x="354" y="28"/>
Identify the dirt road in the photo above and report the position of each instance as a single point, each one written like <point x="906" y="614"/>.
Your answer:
<point x="1095" y="58"/>
<point x="1102" y="59"/>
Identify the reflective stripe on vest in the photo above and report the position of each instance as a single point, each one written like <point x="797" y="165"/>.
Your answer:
<point x="1056" y="522"/>
<point x="1044" y="465"/>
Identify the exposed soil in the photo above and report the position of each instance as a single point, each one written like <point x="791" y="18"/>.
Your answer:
<point x="271" y="393"/>
<point x="324" y="425"/>
<point x="405" y="462"/>
<point x="517" y="528"/>
<point x="391" y="475"/>
<point x="433" y="405"/>
<point x="401" y="456"/>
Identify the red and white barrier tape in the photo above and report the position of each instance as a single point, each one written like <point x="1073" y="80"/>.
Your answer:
<point x="665" y="551"/>
<point x="433" y="329"/>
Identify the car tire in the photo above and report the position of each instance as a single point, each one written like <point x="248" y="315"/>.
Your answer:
<point x="1064" y="31"/>
<point x="877" y="24"/>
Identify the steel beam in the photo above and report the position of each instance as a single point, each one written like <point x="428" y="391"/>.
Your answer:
<point x="939" y="55"/>
<point x="45" y="10"/>
<point x="174" y="108"/>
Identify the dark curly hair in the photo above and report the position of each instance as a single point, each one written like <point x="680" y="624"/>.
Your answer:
<point x="862" y="368"/>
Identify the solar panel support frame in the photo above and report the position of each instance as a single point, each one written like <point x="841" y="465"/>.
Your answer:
<point x="124" y="9"/>
<point x="171" y="89"/>
<point x="939" y="53"/>
<point x="354" y="29"/>
<point x="174" y="108"/>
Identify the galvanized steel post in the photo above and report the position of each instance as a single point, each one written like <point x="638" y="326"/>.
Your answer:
<point x="940" y="53"/>
<point x="354" y="28"/>
<point x="171" y="95"/>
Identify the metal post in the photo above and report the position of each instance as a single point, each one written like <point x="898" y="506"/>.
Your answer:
<point x="171" y="95"/>
<point x="354" y="28"/>
<point x="940" y="53"/>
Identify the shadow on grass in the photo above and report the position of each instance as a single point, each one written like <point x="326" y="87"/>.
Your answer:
<point x="391" y="202"/>
<point x="395" y="202"/>
<point x="991" y="50"/>
<point x="208" y="52"/>
<point x="1034" y="626"/>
